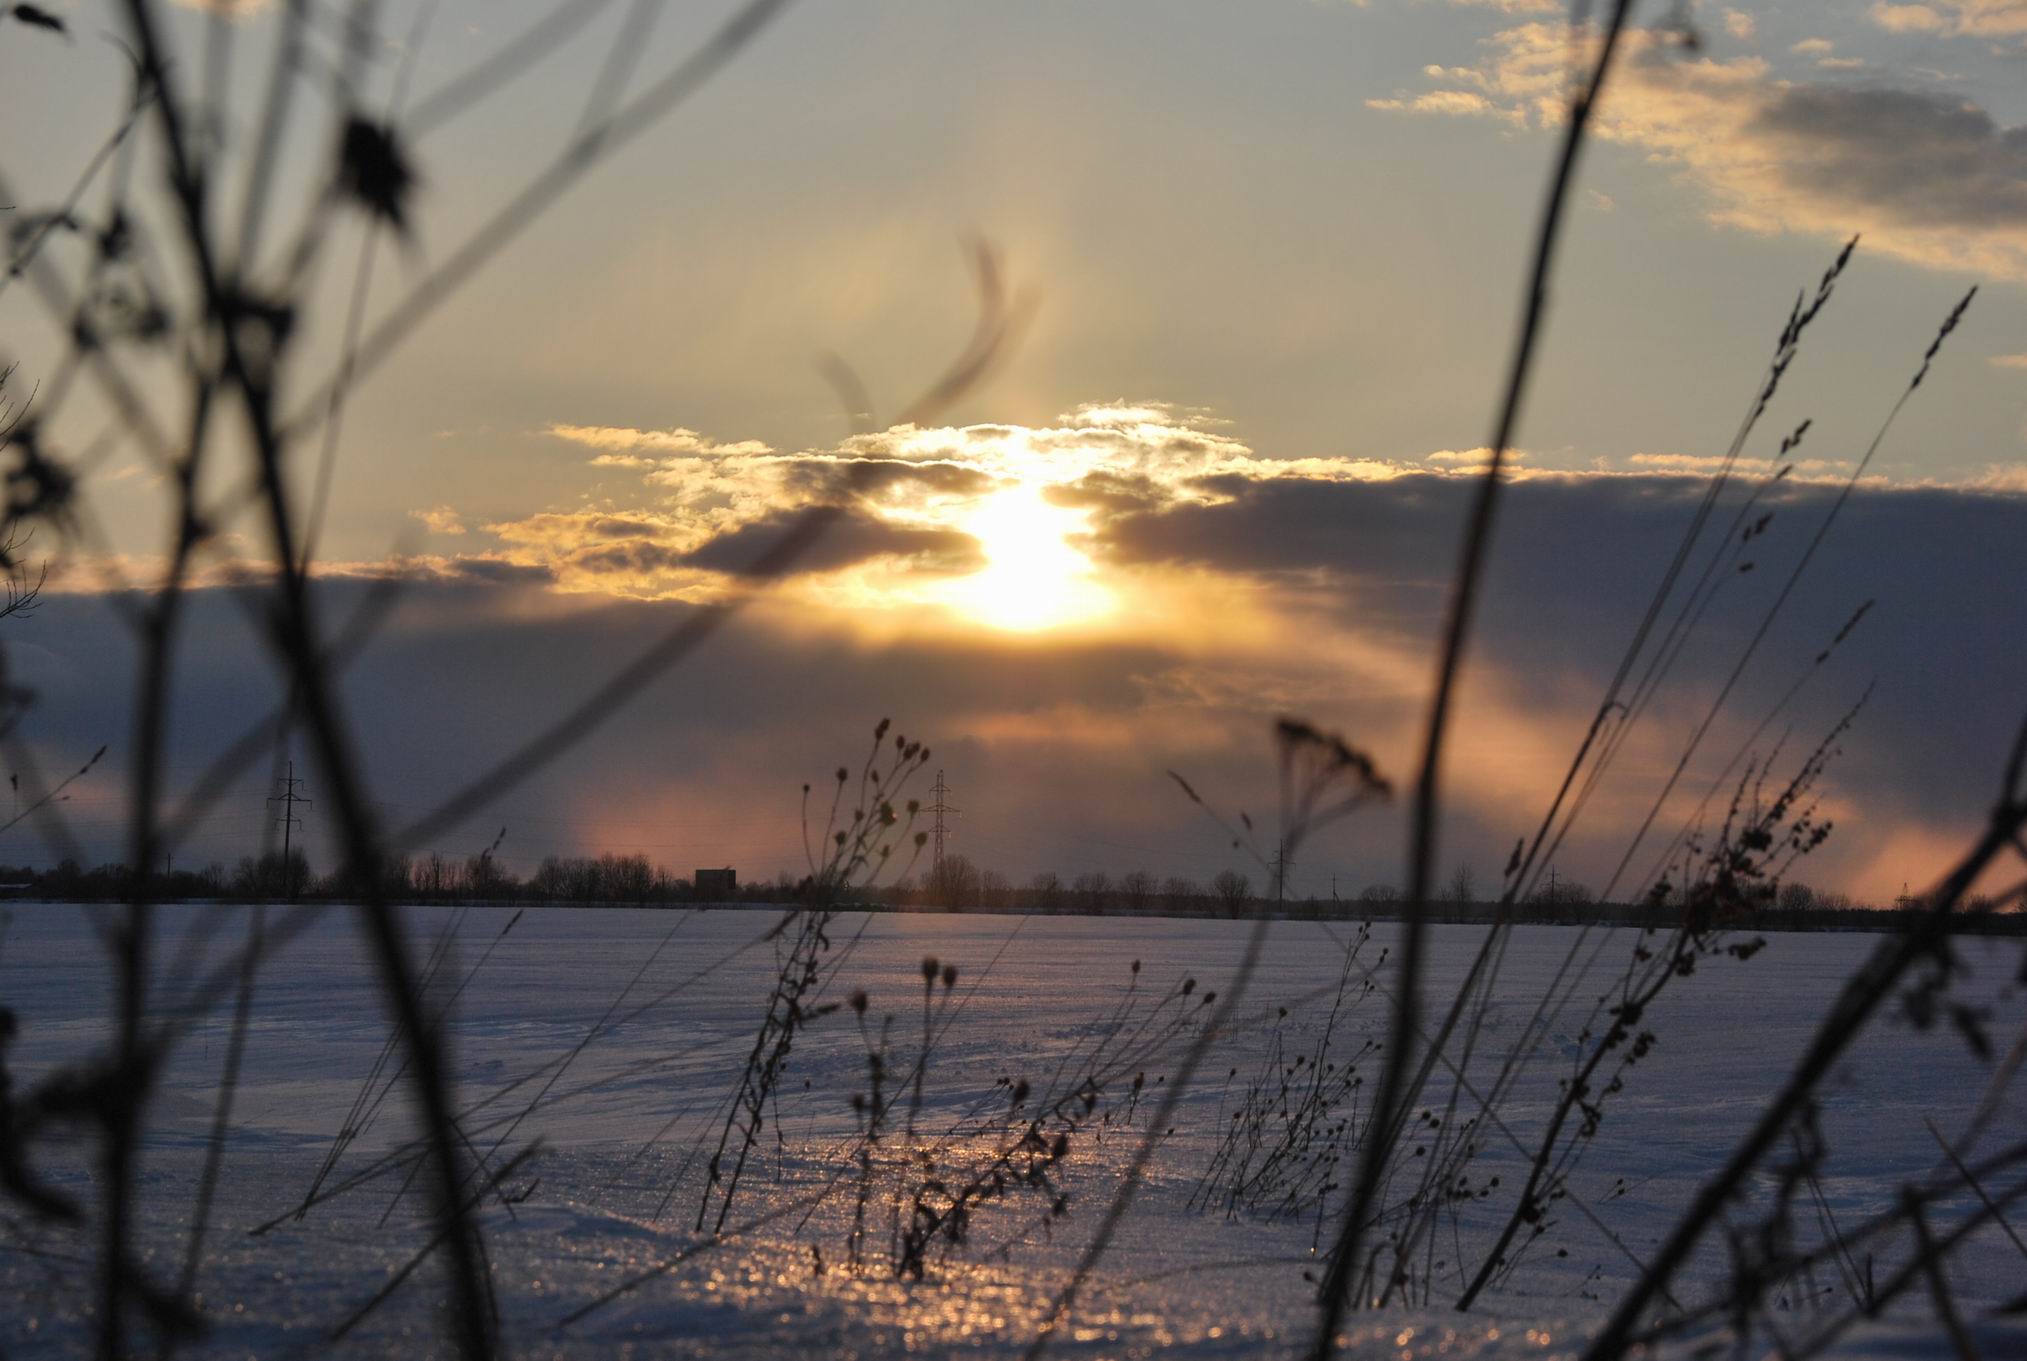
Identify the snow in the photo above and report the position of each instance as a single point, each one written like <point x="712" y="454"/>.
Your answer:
<point x="621" y="1122"/>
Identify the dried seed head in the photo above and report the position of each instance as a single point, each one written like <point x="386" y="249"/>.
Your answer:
<point x="374" y="171"/>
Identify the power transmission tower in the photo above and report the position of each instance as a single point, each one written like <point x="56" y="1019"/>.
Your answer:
<point x="288" y="799"/>
<point x="939" y="831"/>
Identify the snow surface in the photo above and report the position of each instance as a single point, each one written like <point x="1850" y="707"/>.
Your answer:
<point x="1031" y="992"/>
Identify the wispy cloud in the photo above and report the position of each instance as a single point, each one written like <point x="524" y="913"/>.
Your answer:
<point x="1470" y="459"/>
<point x="1704" y="465"/>
<point x="675" y="441"/>
<point x="1456" y="103"/>
<point x="1513" y="6"/>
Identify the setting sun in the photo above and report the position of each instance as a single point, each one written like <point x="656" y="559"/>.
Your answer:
<point x="1034" y="578"/>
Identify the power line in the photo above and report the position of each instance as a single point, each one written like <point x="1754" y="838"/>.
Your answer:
<point x="939" y="831"/>
<point x="288" y="799"/>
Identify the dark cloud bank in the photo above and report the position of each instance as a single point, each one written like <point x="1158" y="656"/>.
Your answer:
<point x="707" y="766"/>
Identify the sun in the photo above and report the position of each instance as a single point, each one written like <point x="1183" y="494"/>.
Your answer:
<point x="1034" y="577"/>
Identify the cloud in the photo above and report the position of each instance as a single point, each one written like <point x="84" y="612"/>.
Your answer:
<point x="1110" y="493"/>
<point x="115" y="573"/>
<point x="706" y="506"/>
<point x="1907" y="18"/>
<point x="1452" y="102"/>
<point x="231" y="9"/>
<point x="1703" y="465"/>
<point x="620" y="438"/>
<point x="1320" y="595"/>
<point x="564" y="530"/>
<point x="2009" y="361"/>
<point x="439" y="520"/>
<point x="1956" y="18"/>
<point x="1741" y="25"/>
<point x="607" y="550"/>
<point x="1472" y="460"/>
<point x="854" y="538"/>
<point x="1945" y="184"/>
<point x="492" y="570"/>
<point x="1813" y="47"/>
<point x="1513" y="6"/>
<point x="2003" y="477"/>
<point x="1250" y="585"/>
<point x="911" y="502"/>
<point x="1928" y="177"/>
<point x="886" y="480"/>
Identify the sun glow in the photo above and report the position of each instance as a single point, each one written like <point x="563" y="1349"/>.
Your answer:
<point x="1034" y="578"/>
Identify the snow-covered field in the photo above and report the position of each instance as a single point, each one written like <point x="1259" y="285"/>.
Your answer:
<point x="613" y="1182"/>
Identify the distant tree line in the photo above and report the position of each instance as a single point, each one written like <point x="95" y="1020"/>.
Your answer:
<point x="957" y="885"/>
<point x="619" y="880"/>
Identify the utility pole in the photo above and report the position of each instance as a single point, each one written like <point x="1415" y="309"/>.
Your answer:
<point x="939" y="831"/>
<point x="1551" y="884"/>
<point x="288" y="799"/>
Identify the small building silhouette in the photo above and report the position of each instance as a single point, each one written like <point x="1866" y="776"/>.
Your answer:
<point x="713" y="885"/>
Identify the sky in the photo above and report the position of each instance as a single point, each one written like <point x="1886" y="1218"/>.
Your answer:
<point x="1260" y="266"/>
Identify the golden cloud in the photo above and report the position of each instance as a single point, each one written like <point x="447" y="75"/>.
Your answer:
<point x="439" y="520"/>
<point x="1001" y="508"/>
<point x="674" y="441"/>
